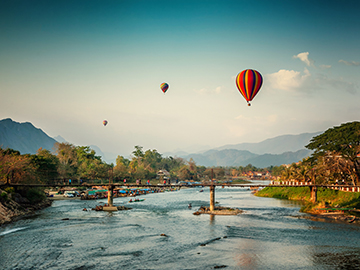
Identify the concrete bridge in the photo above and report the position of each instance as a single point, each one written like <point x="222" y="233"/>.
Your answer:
<point x="111" y="186"/>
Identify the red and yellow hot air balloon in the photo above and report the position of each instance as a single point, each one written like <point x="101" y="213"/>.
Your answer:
<point x="164" y="87"/>
<point x="105" y="122"/>
<point x="249" y="82"/>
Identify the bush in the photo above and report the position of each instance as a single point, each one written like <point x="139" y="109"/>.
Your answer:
<point x="4" y="196"/>
<point x="35" y="195"/>
<point x="10" y="190"/>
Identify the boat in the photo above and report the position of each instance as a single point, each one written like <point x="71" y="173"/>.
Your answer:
<point x="136" y="200"/>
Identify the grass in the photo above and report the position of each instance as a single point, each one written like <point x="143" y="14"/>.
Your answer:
<point x="326" y="198"/>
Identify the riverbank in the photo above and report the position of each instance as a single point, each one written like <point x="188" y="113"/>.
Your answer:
<point x="13" y="206"/>
<point x="331" y="204"/>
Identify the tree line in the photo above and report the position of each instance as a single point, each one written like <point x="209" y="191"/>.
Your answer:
<point x="336" y="156"/>
<point x="81" y="164"/>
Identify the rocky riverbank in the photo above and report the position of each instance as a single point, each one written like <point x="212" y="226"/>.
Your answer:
<point x="331" y="206"/>
<point x="218" y="211"/>
<point x="14" y="206"/>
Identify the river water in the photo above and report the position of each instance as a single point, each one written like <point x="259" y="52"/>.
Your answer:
<point x="270" y="235"/>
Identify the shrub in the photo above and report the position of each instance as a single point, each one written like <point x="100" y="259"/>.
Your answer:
<point x="4" y="196"/>
<point x="10" y="190"/>
<point x="35" y="195"/>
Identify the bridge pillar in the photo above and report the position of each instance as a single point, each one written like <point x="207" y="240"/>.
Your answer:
<point x="110" y="195"/>
<point x="313" y="195"/>
<point x="212" y="198"/>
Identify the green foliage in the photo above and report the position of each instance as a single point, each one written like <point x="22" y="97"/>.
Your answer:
<point x="35" y="195"/>
<point x="4" y="196"/>
<point x="10" y="190"/>
<point x="289" y="193"/>
<point x="343" y="139"/>
<point x="325" y="196"/>
<point x="338" y="149"/>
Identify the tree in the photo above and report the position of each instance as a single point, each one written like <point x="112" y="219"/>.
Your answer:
<point x="46" y="164"/>
<point x="15" y="168"/>
<point x="67" y="155"/>
<point x="342" y="141"/>
<point x="138" y="152"/>
<point x="121" y="169"/>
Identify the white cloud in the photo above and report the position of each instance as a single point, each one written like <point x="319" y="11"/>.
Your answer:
<point x="287" y="79"/>
<point x="352" y="63"/>
<point x="305" y="58"/>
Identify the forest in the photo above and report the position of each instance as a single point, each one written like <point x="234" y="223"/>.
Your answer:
<point x="335" y="158"/>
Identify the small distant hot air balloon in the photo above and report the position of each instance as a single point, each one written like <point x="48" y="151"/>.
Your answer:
<point x="249" y="82"/>
<point x="164" y="87"/>
<point x="105" y="122"/>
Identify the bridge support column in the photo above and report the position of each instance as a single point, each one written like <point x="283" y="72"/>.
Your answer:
<point x="313" y="196"/>
<point x="110" y="195"/>
<point x="212" y="198"/>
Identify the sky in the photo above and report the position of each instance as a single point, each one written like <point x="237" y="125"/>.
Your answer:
<point x="65" y="66"/>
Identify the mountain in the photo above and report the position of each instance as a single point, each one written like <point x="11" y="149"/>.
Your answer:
<point x="232" y="157"/>
<point x="276" y="145"/>
<point x="60" y="139"/>
<point x="23" y="137"/>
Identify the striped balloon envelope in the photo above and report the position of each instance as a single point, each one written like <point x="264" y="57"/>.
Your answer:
<point x="164" y="87"/>
<point x="249" y="82"/>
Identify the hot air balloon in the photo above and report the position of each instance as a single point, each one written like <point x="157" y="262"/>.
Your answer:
<point x="105" y="122"/>
<point x="164" y="87"/>
<point x="249" y="82"/>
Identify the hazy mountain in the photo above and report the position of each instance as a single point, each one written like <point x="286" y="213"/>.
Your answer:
<point x="60" y="139"/>
<point x="276" y="145"/>
<point x="232" y="157"/>
<point x="23" y="137"/>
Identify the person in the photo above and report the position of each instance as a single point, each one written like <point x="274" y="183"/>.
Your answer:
<point x="189" y="206"/>
<point x="69" y="181"/>
<point x="336" y="182"/>
<point x="124" y="180"/>
<point x="148" y="182"/>
<point x="343" y="182"/>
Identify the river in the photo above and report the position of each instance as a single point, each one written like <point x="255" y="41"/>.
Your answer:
<point x="270" y="235"/>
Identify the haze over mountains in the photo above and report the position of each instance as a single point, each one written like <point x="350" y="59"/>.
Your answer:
<point x="284" y="149"/>
<point x="23" y="137"/>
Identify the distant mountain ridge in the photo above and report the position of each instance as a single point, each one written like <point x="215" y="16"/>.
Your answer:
<point x="276" y="151"/>
<point x="23" y="137"/>
<point x="233" y="157"/>
<point x="276" y="145"/>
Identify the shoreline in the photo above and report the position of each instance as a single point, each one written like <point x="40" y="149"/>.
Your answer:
<point x="323" y="211"/>
<point x="13" y="211"/>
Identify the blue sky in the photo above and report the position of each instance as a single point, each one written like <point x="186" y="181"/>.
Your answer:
<point x="65" y="66"/>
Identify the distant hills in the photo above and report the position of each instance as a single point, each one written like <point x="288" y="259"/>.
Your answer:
<point x="276" y="145"/>
<point x="284" y="149"/>
<point x="276" y="151"/>
<point x="23" y="137"/>
<point x="233" y="157"/>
